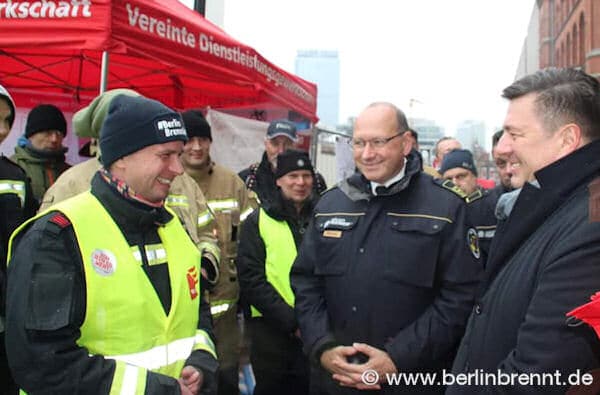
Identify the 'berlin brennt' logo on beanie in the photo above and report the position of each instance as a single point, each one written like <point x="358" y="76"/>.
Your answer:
<point x="135" y="122"/>
<point x="171" y="128"/>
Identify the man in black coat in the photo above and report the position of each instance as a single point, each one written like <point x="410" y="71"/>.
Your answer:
<point x="16" y="205"/>
<point x="385" y="277"/>
<point x="545" y="257"/>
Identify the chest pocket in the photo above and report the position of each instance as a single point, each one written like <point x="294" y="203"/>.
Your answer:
<point x="335" y="246"/>
<point x="414" y="248"/>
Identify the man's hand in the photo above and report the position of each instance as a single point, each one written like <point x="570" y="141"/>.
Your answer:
<point x="351" y="375"/>
<point x="191" y="381"/>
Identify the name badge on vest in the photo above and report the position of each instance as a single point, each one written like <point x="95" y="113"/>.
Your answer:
<point x="104" y="262"/>
<point x="335" y="234"/>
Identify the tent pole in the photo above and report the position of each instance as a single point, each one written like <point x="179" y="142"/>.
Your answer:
<point x="104" y="72"/>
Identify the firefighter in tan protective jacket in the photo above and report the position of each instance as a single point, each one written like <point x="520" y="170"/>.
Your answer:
<point x="185" y="197"/>
<point x="228" y="200"/>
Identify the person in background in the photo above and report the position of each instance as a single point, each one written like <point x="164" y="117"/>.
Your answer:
<point x="442" y="147"/>
<point x="260" y="177"/>
<point x="227" y="198"/>
<point x="544" y="259"/>
<point x="118" y="310"/>
<point x="503" y="167"/>
<point x="269" y="241"/>
<point x="385" y="277"/>
<point x="458" y="167"/>
<point x="413" y="138"/>
<point x="185" y="198"/>
<point x="16" y="205"/>
<point x="41" y="153"/>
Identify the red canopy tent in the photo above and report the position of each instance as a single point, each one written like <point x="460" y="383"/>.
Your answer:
<point x="161" y="49"/>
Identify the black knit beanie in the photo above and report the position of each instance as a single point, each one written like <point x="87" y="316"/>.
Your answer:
<point x="45" y="117"/>
<point x="133" y="123"/>
<point x="196" y="125"/>
<point x="458" y="158"/>
<point x="292" y="160"/>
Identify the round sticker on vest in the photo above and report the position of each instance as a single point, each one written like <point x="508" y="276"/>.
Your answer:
<point x="104" y="262"/>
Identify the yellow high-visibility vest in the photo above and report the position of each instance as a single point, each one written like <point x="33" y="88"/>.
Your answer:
<point x="280" y="252"/>
<point x="124" y="318"/>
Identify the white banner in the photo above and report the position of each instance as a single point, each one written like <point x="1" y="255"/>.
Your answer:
<point x="237" y="142"/>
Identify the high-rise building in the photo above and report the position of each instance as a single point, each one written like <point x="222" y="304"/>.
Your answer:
<point x="471" y="133"/>
<point x="429" y="133"/>
<point x="322" y="68"/>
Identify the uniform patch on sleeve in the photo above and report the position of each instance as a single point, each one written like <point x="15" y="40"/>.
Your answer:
<point x="473" y="242"/>
<point x="60" y="220"/>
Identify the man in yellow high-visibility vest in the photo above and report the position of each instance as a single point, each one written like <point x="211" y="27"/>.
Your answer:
<point x="103" y="289"/>
<point x="269" y="239"/>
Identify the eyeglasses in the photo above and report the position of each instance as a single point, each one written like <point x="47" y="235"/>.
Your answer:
<point x="376" y="143"/>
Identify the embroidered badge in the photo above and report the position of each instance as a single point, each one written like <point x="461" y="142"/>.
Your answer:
<point x="192" y="279"/>
<point x="473" y="242"/>
<point x="104" y="262"/>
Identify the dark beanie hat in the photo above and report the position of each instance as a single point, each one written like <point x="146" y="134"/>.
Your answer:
<point x="45" y="117"/>
<point x="292" y="160"/>
<point x="135" y="122"/>
<point x="458" y="158"/>
<point x="195" y="124"/>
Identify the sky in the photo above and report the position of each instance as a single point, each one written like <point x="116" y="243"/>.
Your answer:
<point x="452" y="58"/>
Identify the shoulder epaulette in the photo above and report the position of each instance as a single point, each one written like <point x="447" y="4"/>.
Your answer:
<point x="474" y="196"/>
<point x="452" y="187"/>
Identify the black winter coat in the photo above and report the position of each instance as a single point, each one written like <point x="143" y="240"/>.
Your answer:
<point x="544" y="261"/>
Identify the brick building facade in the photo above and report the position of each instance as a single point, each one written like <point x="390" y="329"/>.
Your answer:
<point x="570" y="34"/>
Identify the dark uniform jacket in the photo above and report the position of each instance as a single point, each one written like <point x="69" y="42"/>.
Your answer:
<point x="255" y="289"/>
<point x="393" y="271"/>
<point x="544" y="261"/>
<point x="46" y="302"/>
<point x="14" y="210"/>
<point x="260" y="178"/>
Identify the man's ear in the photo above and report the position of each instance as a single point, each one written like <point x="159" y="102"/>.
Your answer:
<point x="571" y="138"/>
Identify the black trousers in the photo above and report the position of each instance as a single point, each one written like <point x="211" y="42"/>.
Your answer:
<point x="277" y="360"/>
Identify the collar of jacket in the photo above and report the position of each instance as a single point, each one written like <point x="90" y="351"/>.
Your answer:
<point x="562" y="176"/>
<point x="31" y="154"/>
<point x="201" y="174"/>
<point x="130" y="215"/>
<point x="357" y="187"/>
<point x="282" y="209"/>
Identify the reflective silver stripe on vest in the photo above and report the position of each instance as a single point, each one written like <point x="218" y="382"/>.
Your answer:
<point x="245" y="214"/>
<point x="155" y="253"/>
<point x="16" y="187"/>
<point x="130" y="380"/>
<point x="176" y="200"/>
<point x="219" y="308"/>
<point x="222" y="205"/>
<point x="204" y="218"/>
<point x="160" y="356"/>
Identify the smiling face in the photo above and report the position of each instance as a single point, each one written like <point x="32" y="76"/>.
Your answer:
<point x="196" y="153"/>
<point x="379" y="164"/>
<point x="150" y="170"/>
<point x="526" y="142"/>
<point x="296" y="185"/>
